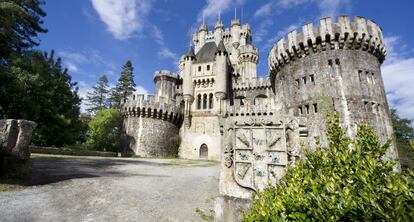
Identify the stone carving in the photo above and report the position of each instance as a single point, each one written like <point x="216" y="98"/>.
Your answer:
<point x="228" y="149"/>
<point x="292" y="139"/>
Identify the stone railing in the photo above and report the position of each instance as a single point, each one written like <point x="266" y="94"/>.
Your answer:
<point x="358" y="34"/>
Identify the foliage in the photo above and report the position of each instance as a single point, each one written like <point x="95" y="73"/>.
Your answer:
<point x="404" y="136"/>
<point x="105" y="130"/>
<point x="20" y="21"/>
<point x="97" y="99"/>
<point x="346" y="181"/>
<point x="124" y="87"/>
<point x="84" y="119"/>
<point x="42" y="91"/>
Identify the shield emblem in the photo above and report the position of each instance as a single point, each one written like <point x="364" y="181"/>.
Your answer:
<point x="260" y="155"/>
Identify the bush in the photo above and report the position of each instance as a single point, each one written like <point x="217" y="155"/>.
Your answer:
<point x="347" y="181"/>
<point x="105" y="130"/>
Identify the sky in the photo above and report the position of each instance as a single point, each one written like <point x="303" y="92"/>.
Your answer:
<point x="96" y="37"/>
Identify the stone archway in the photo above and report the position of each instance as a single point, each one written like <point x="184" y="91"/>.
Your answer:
<point x="203" y="151"/>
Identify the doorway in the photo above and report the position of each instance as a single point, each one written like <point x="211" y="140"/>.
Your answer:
<point x="204" y="151"/>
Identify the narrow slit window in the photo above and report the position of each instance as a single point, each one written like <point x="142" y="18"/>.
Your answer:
<point x="337" y="62"/>
<point x="208" y="67"/>
<point x="199" y="68"/>
<point x="315" y="107"/>
<point x="304" y="80"/>
<point x="300" y="110"/>
<point x="360" y="75"/>
<point x="297" y="83"/>
<point x="330" y="63"/>
<point x="312" y="78"/>
<point x="307" y="109"/>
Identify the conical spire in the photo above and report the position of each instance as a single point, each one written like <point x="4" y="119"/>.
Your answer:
<point x="221" y="47"/>
<point x="190" y="52"/>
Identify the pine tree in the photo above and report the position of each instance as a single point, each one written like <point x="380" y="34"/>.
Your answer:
<point x="97" y="99"/>
<point x="125" y="85"/>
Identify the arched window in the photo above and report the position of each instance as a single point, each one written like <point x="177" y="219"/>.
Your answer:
<point x="199" y="101"/>
<point x="210" y="101"/>
<point x="205" y="101"/>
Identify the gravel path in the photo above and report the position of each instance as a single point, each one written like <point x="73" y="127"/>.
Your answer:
<point x="113" y="189"/>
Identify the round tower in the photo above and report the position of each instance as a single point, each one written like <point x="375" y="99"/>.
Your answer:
<point x="150" y="126"/>
<point x="188" y="89"/>
<point x="248" y="58"/>
<point x="218" y="32"/>
<point x="165" y="84"/>
<point x="221" y="74"/>
<point x="335" y="66"/>
<point x="235" y="33"/>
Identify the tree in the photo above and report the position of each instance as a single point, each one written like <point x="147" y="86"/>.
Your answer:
<point x="346" y="181"/>
<point x="98" y="98"/>
<point x="20" y="21"/>
<point x="105" y="130"/>
<point x="125" y="85"/>
<point x="404" y="135"/>
<point x="42" y="91"/>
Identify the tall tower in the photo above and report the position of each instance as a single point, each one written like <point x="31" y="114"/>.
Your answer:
<point x="188" y="90"/>
<point x="221" y="76"/>
<point x="335" y="66"/>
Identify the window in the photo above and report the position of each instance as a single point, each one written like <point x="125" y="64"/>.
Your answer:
<point x="205" y="101"/>
<point x="315" y="108"/>
<point x="312" y="78"/>
<point x="199" y="101"/>
<point x="210" y="101"/>
<point x="304" y="80"/>
<point x="360" y="75"/>
<point x="297" y="83"/>
<point x="330" y="62"/>
<point x="373" y="78"/>
<point x="307" y="109"/>
<point x="300" y="110"/>
<point x="208" y="67"/>
<point x="199" y="68"/>
<point x="337" y="62"/>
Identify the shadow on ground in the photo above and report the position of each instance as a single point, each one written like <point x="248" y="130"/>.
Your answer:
<point x="46" y="169"/>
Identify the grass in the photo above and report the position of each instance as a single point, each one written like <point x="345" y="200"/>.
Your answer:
<point x="205" y="216"/>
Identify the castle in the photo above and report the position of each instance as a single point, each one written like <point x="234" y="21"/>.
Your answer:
<point x="332" y="66"/>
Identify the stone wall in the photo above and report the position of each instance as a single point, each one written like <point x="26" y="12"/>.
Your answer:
<point x="203" y="130"/>
<point x="151" y="137"/>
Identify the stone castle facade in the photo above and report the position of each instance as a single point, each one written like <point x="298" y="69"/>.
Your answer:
<point x="331" y="66"/>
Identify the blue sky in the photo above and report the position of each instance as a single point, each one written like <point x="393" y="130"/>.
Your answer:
<point x="96" y="37"/>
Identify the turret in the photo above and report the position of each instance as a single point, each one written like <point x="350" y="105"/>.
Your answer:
<point x="218" y="32"/>
<point x="235" y="33"/>
<point x="221" y="74"/>
<point x="188" y="92"/>
<point x="248" y="59"/>
<point x="165" y="84"/>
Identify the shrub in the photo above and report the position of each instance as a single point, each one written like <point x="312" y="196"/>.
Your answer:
<point x="346" y="181"/>
<point x="105" y="130"/>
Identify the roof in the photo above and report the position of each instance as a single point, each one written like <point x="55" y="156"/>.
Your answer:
<point x="221" y="47"/>
<point x="206" y="53"/>
<point x="190" y="52"/>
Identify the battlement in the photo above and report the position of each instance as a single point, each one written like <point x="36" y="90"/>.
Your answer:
<point x="151" y="106"/>
<point x="165" y="74"/>
<point x="358" y="34"/>
<point x="250" y="110"/>
<point x="256" y="83"/>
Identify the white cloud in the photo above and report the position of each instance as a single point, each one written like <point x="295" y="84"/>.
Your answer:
<point x="213" y="7"/>
<point x="167" y="53"/>
<point x="326" y="7"/>
<point x="72" y="67"/>
<point x="140" y="90"/>
<point x="264" y="10"/>
<point x="123" y="18"/>
<point x="398" y="73"/>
